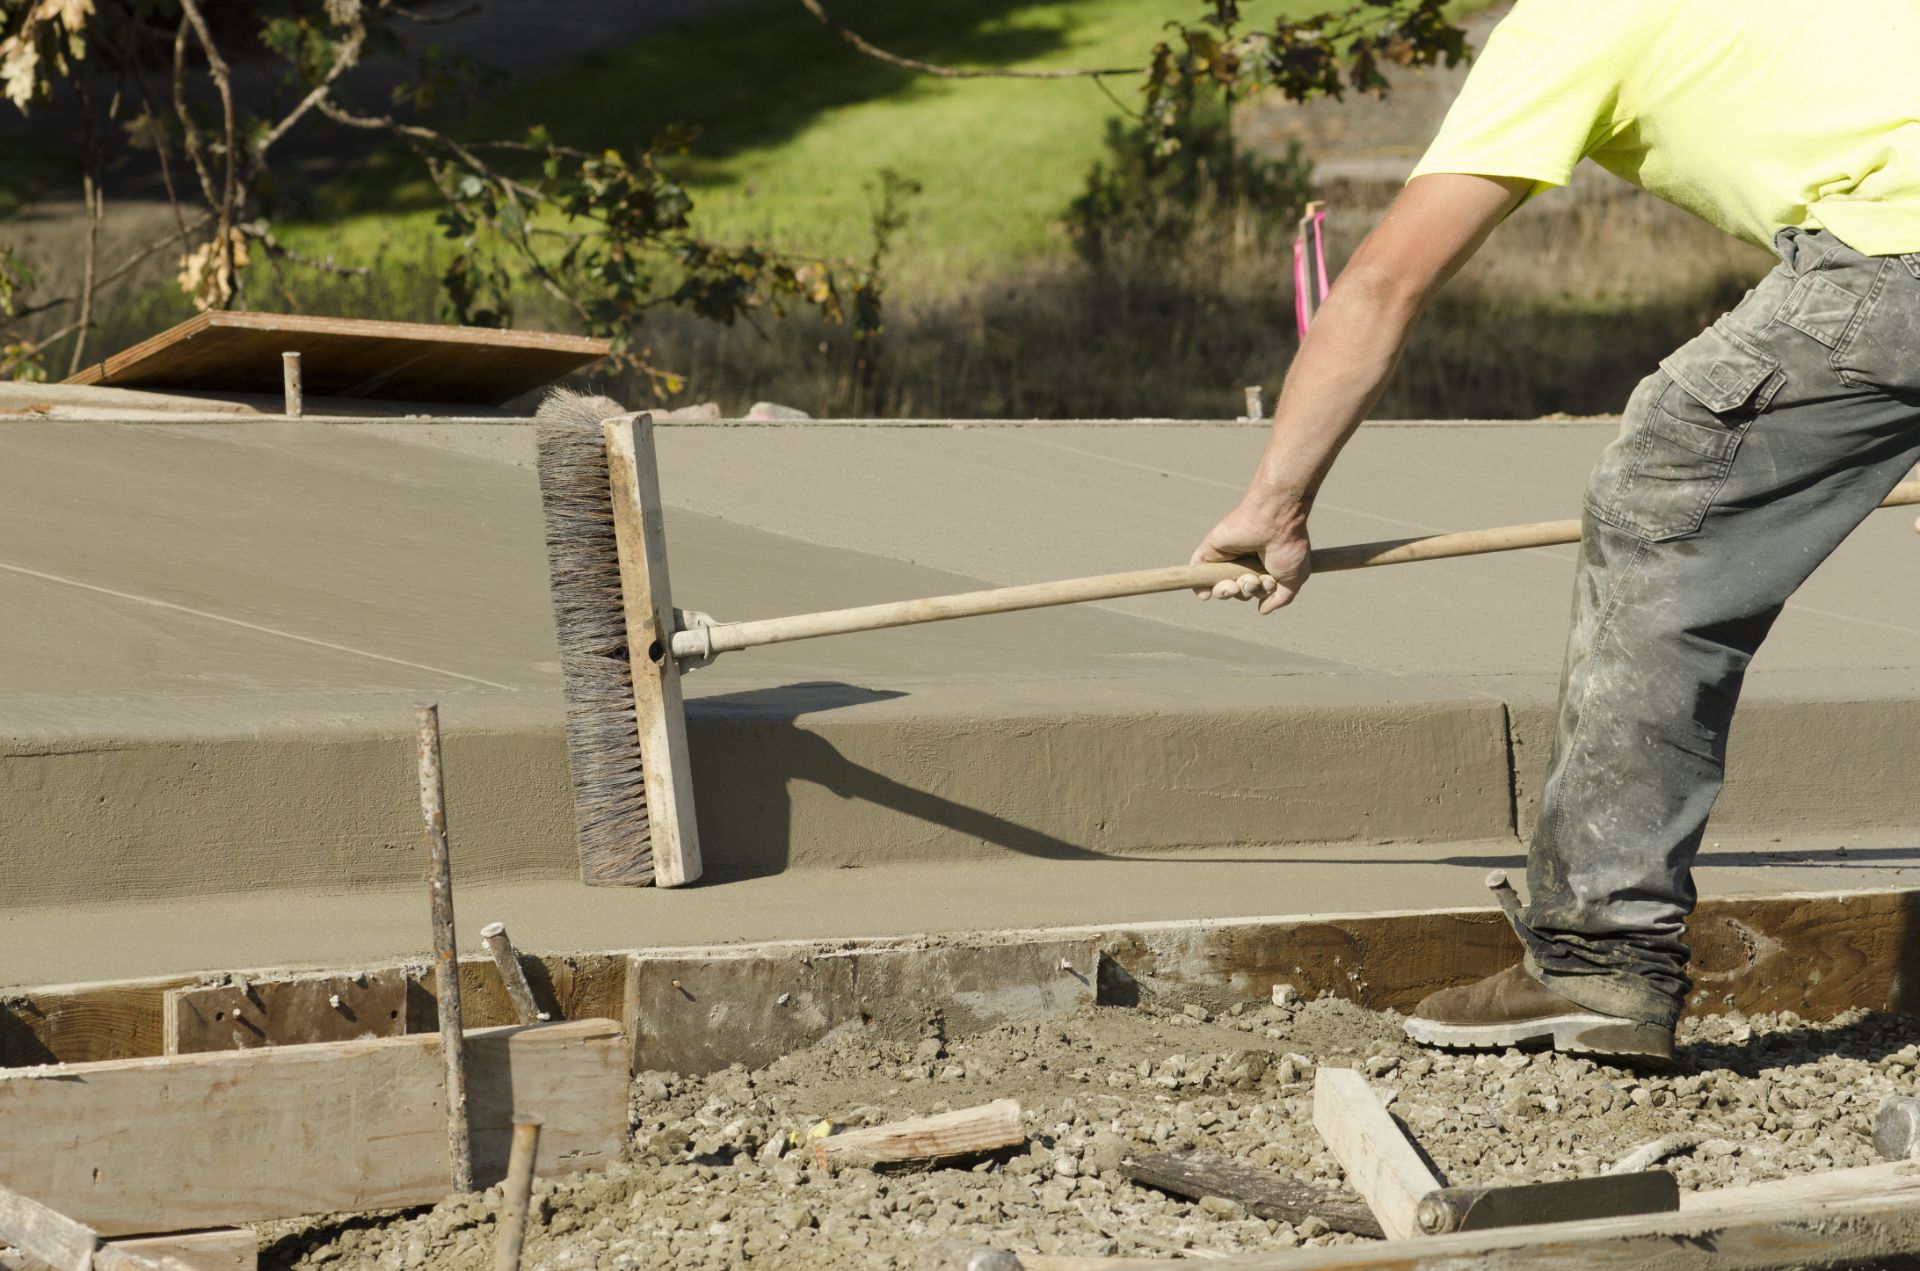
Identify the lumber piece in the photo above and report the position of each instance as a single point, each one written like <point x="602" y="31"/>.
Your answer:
<point x="193" y="1141"/>
<point x="1381" y="1163"/>
<point x="45" y="1233"/>
<point x="962" y="1132"/>
<point x="1888" y="1180"/>
<point x="1264" y="1193"/>
<point x="346" y="357"/>
<point x="244" y="1014"/>
<point x="226" y="1249"/>
<point x="640" y="534"/>
<point x="699" y="1010"/>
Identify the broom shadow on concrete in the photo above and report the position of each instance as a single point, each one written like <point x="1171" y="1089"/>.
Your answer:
<point x="749" y="750"/>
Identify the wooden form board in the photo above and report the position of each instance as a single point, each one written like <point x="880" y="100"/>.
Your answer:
<point x="86" y="1023"/>
<point x="146" y="1145"/>
<point x="1815" y="954"/>
<point x="699" y="1011"/>
<point x="346" y="357"/>
<point x="230" y="1249"/>
<point x="247" y="1014"/>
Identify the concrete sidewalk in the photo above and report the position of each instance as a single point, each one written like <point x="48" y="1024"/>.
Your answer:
<point x="211" y="634"/>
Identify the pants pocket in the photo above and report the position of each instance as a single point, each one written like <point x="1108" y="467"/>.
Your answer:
<point x="1677" y="442"/>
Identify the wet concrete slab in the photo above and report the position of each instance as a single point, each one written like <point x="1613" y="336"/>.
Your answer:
<point x="211" y="635"/>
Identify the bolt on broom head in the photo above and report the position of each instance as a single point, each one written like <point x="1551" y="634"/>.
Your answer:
<point x="603" y="736"/>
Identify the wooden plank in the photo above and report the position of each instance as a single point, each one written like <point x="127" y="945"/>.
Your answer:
<point x="1816" y="954"/>
<point x="228" y="1249"/>
<point x="247" y="1014"/>
<point x="962" y="1132"/>
<point x="43" y="1232"/>
<point x="147" y="1145"/>
<point x="633" y="477"/>
<point x="1265" y="1194"/>
<point x="82" y="1023"/>
<point x="1887" y="1180"/>
<point x="346" y="358"/>
<point x="701" y="1010"/>
<point x="1380" y="1161"/>
<point x="1859" y="1233"/>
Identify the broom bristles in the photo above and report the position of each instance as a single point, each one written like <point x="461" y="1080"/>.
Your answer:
<point x="603" y="735"/>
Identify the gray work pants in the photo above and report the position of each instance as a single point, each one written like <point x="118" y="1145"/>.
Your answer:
<point x="1742" y="463"/>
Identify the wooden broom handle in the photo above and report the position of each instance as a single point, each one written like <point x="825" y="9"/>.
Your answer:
<point x="725" y="637"/>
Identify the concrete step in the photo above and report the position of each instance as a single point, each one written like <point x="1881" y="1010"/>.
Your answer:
<point x="213" y="632"/>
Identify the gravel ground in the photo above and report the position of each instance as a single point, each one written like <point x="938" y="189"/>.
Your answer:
<point x="708" y="1183"/>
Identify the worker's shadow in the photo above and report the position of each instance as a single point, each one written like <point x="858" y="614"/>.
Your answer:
<point x="749" y="754"/>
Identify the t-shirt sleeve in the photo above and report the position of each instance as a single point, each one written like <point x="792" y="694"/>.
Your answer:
<point x="1533" y="106"/>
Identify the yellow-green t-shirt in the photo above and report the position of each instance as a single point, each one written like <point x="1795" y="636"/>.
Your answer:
<point x="1753" y="114"/>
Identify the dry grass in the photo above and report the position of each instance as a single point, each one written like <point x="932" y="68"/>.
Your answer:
<point x="1571" y="303"/>
<point x="1568" y="306"/>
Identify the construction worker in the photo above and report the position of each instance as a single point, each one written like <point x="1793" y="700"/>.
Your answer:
<point x="1742" y="462"/>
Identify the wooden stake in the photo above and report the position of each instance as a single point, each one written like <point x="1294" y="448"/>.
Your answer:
<point x="966" y="1132"/>
<point x="513" y="976"/>
<point x="446" y="966"/>
<point x="640" y="533"/>
<point x="1380" y="1163"/>
<point x="1265" y="1194"/>
<point x="291" y="378"/>
<point x="515" y="1193"/>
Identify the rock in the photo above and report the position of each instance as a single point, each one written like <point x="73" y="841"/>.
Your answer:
<point x="773" y="410"/>
<point x="1286" y="996"/>
<point x="1193" y="1011"/>
<point x="1221" y="1207"/>
<point x="1065" y="1166"/>
<point x="1106" y="1151"/>
<point x="705" y="410"/>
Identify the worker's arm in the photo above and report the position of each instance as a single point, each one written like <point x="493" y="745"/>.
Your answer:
<point x="1433" y="227"/>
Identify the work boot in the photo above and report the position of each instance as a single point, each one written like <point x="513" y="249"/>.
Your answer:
<point x="1514" y="1009"/>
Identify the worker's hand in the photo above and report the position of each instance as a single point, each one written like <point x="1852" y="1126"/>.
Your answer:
<point x="1276" y="538"/>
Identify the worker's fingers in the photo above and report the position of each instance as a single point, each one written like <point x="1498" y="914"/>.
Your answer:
<point x="1916" y="525"/>
<point x="1227" y="589"/>
<point x="1282" y="597"/>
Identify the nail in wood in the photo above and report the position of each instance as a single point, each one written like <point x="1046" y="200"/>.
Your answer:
<point x="446" y="965"/>
<point x="513" y="976"/>
<point x="515" y="1194"/>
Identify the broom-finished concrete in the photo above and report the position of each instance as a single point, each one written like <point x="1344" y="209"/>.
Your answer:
<point x="213" y="632"/>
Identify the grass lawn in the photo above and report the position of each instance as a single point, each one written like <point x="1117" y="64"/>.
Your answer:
<point x="795" y="126"/>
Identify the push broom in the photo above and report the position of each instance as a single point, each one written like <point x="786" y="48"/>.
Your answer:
<point x="626" y="725"/>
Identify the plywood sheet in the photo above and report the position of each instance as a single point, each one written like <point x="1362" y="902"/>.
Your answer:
<point x="346" y="357"/>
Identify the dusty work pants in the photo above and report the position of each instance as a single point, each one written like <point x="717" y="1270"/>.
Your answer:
<point x="1742" y="463"/>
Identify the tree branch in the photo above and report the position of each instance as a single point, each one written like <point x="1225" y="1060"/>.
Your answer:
<point x="854" y="39"/>
<point x="346" y="57"/>
<point x="223" y="229"/>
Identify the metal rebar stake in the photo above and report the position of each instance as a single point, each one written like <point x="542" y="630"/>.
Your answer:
<point x="446" y="964"/>
<point x="515" y="1193"/>
<point x="513" y="976"/>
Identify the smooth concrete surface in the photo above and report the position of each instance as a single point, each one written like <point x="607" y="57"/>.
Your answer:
<point x="300" y="930"/>
<point x="211" y="634"/>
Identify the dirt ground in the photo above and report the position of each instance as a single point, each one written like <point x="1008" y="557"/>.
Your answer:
<point x="711" y="1180"/>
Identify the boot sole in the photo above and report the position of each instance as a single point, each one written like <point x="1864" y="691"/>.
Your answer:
<point x="1576" y="1033"/>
